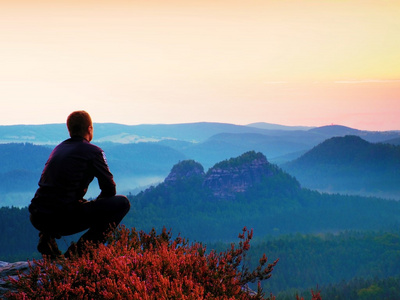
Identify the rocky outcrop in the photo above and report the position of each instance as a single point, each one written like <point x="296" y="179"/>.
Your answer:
<point x="225" y="180"/>
<point x="10" y="270"/>
<point x="228" y="178"/>
<point x="184" y="170"/>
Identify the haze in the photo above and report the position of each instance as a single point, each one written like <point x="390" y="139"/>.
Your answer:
<point x="308" y="63"/>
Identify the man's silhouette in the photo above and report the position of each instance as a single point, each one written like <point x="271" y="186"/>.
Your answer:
<point x="58" y="207"/>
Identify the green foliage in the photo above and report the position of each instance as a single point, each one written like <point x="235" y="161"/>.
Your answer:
<point x="276" y="206"/>
<point x="240" y="160"/>
<point x="187" y="166"/>
<point x="18" y="238"/>
<point x="364" y="289"/>
<point x="326" y="259"/>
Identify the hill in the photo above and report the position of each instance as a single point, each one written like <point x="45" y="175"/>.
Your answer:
<point x="23" y="156"/>
<point x="395" y="141"/>
<point x="226" y="145"/>
<point x="349" y="165"/>
<point x="270" y="126"/>
<point x="20" y="167"/>
<point x="250" y="191"/>
<point x="370" y="136"/>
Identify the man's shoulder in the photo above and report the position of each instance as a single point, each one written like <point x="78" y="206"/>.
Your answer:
<point x="91" y="146"/>
<point x="84" y="144"/>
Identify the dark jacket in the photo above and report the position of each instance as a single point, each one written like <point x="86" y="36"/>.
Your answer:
<point x="71" y="167"/>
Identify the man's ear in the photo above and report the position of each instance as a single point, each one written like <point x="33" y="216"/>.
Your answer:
<point x="90" y="133"/>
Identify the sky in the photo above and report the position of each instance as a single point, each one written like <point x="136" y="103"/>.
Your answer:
<point x="289" y="62"/>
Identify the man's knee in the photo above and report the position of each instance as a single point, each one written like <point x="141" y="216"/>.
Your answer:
<point x="117" y="205"/>
<point x="124" y="203"/>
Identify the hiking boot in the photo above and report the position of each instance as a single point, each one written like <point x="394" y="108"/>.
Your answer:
<point x="48" y="246"/>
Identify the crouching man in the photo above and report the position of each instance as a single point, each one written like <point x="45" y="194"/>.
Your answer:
<point x="58" y="207"/>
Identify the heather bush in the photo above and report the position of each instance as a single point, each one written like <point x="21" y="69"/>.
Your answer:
<point x="139" y="265"/>
<point x="314" y="296"/>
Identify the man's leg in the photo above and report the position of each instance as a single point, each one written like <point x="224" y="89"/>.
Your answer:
<point x="106" y="214"/>
<point x="47" y="245"/>
<point x="44" y="223"/>
<point x="101" y="216"/>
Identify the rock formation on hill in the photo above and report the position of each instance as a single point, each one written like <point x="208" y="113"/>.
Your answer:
<point x="184" y="170"/>
<point x="237" y="175"/>
<point x="227" y="178"/>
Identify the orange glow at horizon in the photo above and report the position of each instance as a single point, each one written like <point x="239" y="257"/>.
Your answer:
<point x="288" y="62"/>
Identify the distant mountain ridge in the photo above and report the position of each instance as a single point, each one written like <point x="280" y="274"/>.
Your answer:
<point x="207" y="143"/>
<point x="270" y="126"/>
<point x="370" y="136"/>
<point x="140" y="155"/>
<point x="349" y="164"/>
<point x="120" y="133"/>
<point x="190" y="132"/>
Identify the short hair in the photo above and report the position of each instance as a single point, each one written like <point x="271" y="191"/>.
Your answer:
<point x="78" y="123"/>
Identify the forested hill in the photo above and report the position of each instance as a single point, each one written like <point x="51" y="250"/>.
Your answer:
<point x="20" y="168"/>
<point x="231" y="179"/>
<point x="350" y="164"/>
<point x="250" y="191"/>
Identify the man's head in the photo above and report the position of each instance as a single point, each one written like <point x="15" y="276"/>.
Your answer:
<point x="79" y="123"/>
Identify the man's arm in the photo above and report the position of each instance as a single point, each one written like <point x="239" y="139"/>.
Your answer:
<point x="104" y="176"/>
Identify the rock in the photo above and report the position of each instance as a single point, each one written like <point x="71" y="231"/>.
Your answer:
<point x="225" y="180"/>
<point x="237" y="175"/>
<point x="184" y="170"/>
<point x="10" y="270"/>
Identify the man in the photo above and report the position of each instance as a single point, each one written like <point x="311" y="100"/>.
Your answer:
<point x="58" y="207"/>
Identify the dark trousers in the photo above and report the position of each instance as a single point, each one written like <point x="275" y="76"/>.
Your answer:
<point x="100" y="216"/>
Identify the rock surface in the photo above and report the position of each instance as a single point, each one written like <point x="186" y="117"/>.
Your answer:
<point x="237" y="175"/>
<point x="184" y="170"/>
<point x="10" y="270"/>
<point x="225" y="179"/>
